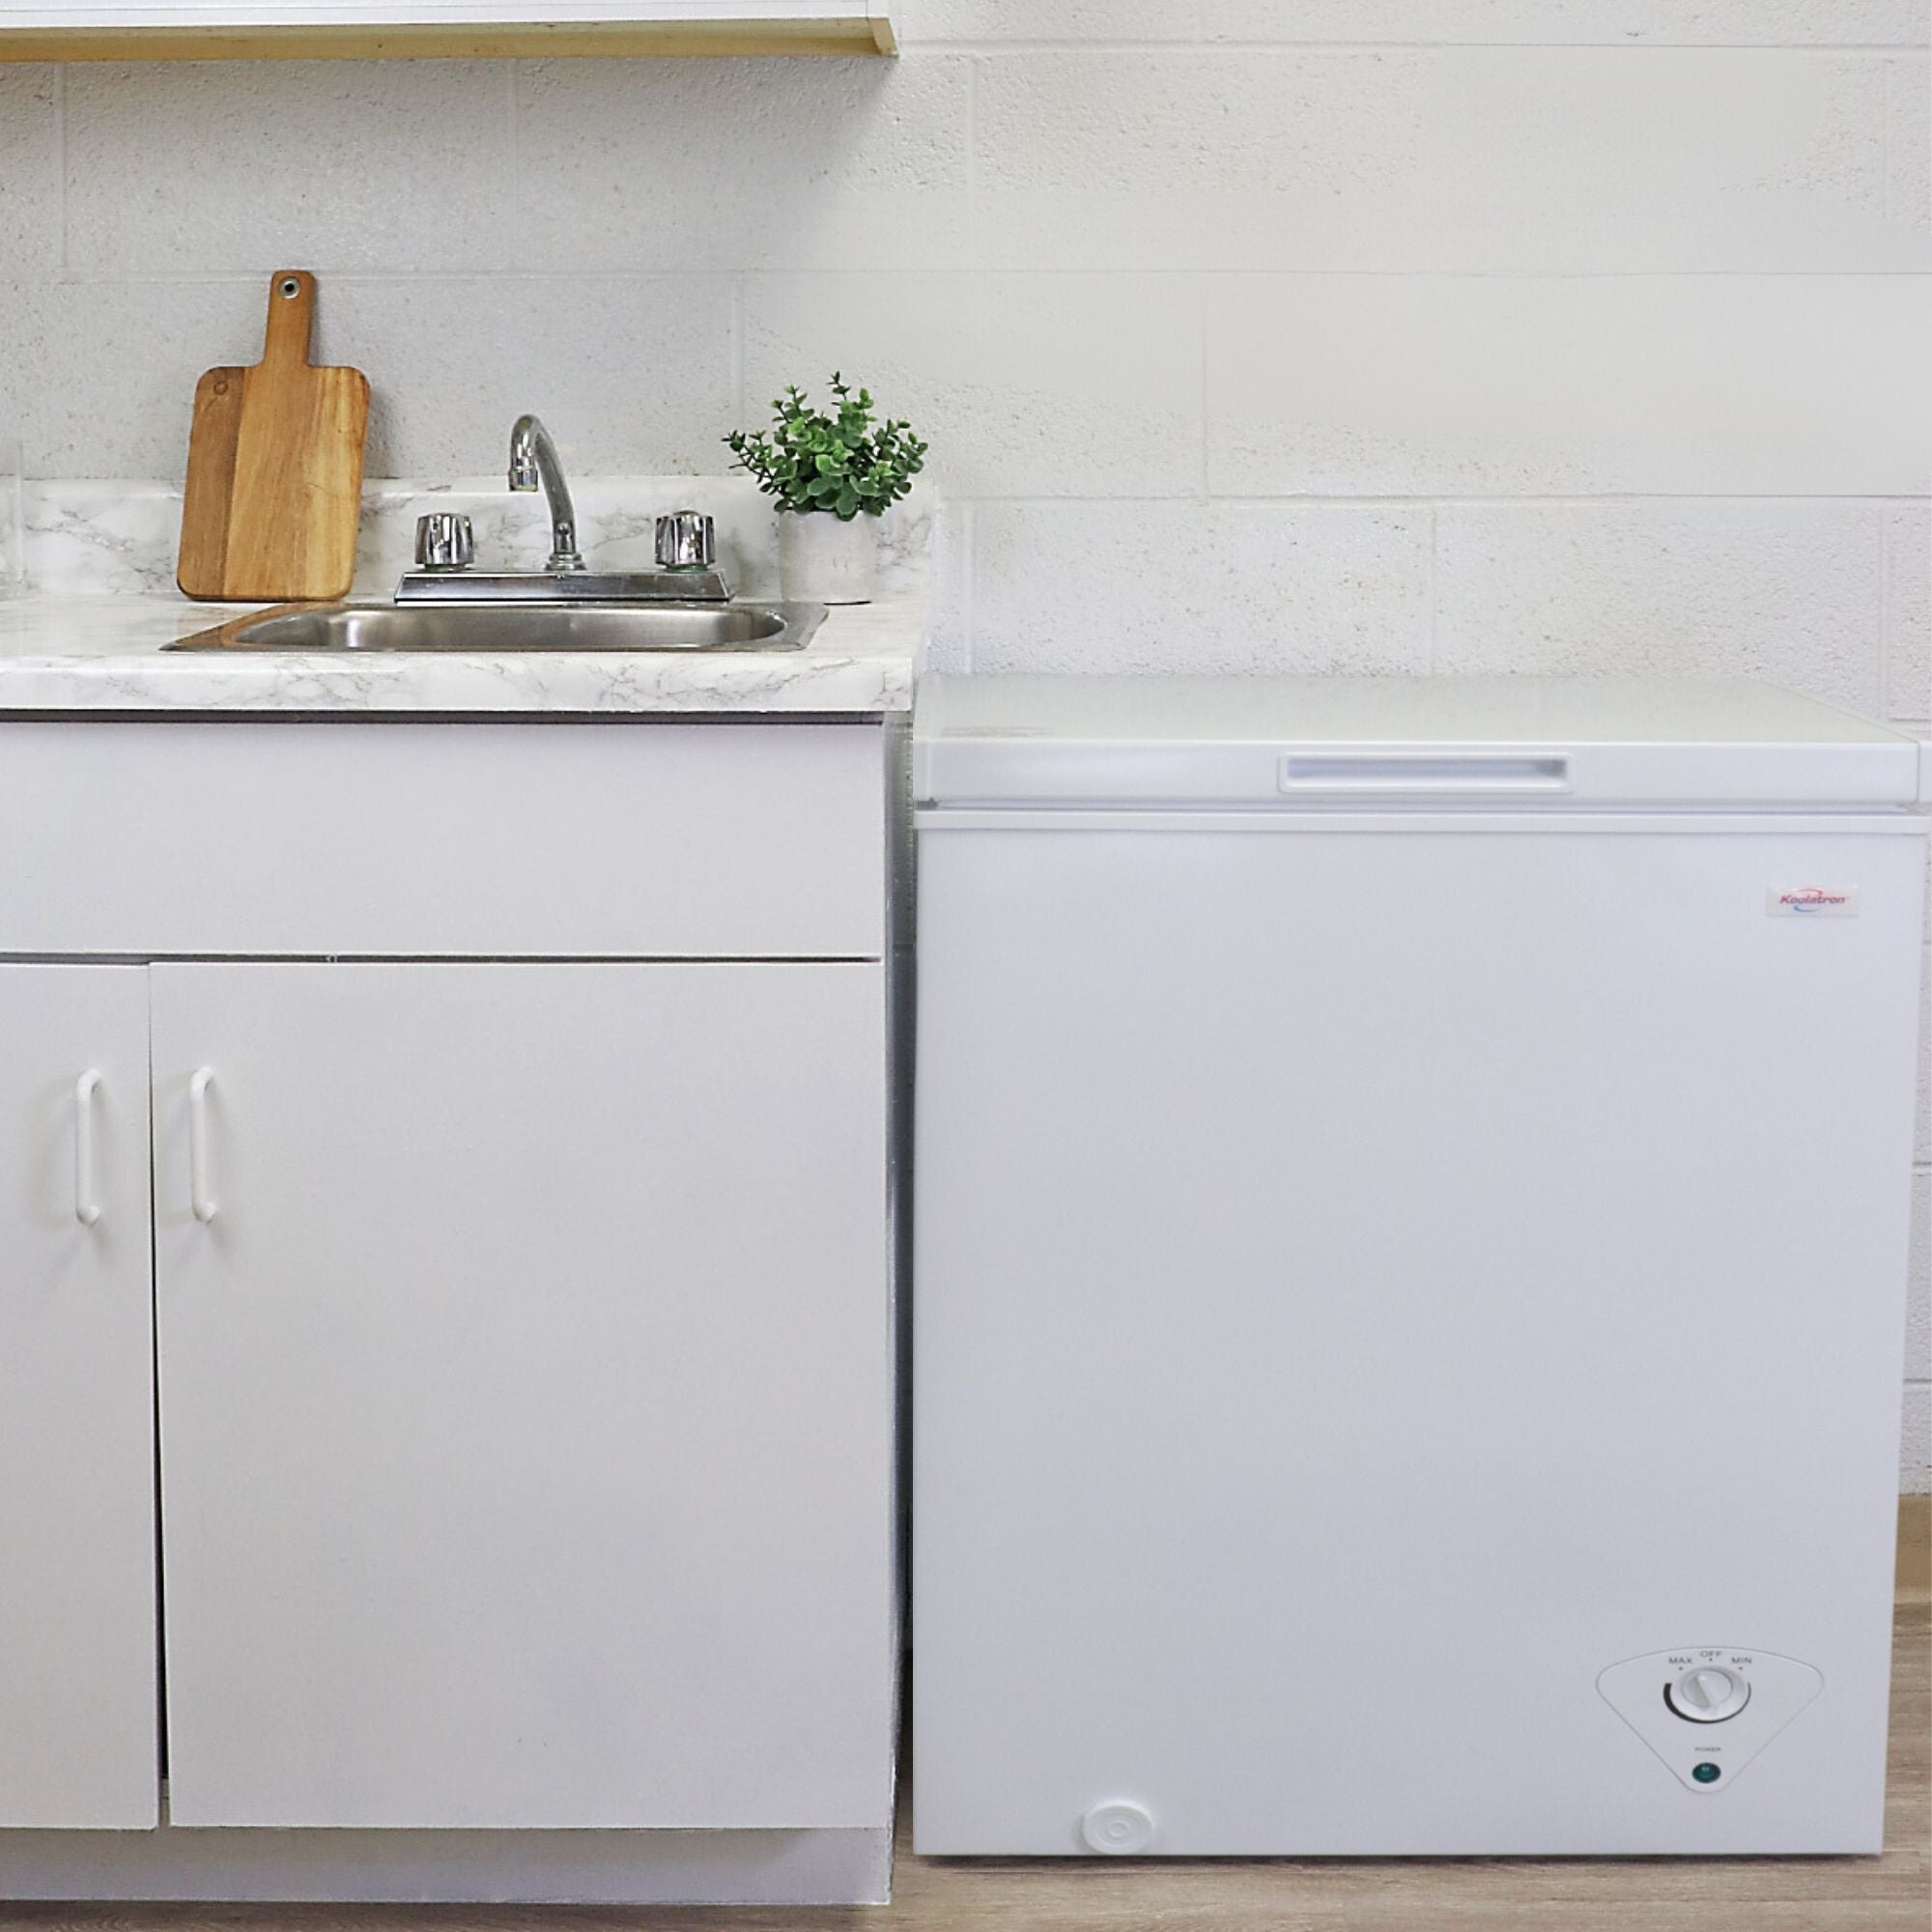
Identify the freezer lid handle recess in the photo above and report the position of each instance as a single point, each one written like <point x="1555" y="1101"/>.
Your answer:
<point x="1332" y="771"/>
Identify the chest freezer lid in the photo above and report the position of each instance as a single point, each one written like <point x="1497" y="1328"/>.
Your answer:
<point x="1330" y="742"/>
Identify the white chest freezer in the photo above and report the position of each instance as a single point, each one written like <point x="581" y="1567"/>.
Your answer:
<point x="1411" y="1240"/>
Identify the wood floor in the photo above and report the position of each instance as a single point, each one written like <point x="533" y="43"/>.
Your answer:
<point x="1630" y="1896"/>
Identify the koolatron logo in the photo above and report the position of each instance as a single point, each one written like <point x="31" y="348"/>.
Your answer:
<point x="1813" y="902"/>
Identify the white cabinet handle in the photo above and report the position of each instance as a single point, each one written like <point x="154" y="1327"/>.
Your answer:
<point x="197" y="1145"/>
<point x="86" y="1209"/>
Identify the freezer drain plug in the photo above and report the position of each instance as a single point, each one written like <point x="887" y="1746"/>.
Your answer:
<point x="1118" y="1827"/>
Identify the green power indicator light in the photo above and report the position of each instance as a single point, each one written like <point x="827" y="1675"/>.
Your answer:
<point x="1706" y="1774"/>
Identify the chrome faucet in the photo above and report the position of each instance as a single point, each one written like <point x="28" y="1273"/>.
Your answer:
<point x="533" y="465"/>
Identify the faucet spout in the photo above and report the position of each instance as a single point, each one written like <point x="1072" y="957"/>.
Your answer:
<point x="534" y="465"/>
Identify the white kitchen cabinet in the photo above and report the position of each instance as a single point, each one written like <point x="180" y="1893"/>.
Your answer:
<point x="79" y="1744"/>
<point x="513" y="1286"/>
<point x="525" y="1395"/>
<point x="347" y="29"/>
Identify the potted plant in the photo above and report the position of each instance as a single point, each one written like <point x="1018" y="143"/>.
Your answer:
<point x="833" y="474"/>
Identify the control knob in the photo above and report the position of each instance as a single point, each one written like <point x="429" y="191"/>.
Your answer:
<point x="1708" y="1694"/>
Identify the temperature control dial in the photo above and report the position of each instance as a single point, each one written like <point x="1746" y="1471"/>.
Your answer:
<point x="1707" y="1694"/>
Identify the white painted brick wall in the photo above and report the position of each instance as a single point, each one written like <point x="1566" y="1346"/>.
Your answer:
<point x="1519" y="334"/>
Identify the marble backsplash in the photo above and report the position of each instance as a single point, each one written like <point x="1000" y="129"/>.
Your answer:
<point x="119" y="538"/>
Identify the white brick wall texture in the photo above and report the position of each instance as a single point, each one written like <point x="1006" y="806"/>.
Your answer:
<point x="1588" y="336"/>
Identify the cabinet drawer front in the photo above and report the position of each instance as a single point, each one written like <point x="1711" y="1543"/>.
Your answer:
<point x="616" y="841"/>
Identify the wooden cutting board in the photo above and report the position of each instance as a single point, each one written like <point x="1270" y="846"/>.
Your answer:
<point x="274" y="469"/>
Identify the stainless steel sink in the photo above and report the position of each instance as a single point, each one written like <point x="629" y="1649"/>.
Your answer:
<point x="492" y="627"/>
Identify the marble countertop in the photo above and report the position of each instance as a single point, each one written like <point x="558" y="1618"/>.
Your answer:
<point x="95" y="603"/>
<point x="62" y="653"/>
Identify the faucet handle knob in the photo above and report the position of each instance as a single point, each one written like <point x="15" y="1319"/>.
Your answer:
<point x="687" y="540"/>
<point x="444" y="541"/>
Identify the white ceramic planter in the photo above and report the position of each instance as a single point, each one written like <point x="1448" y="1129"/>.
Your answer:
<point x="822" y="560"/>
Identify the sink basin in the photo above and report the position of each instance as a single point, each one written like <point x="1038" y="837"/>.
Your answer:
<point x="495" y="627"/>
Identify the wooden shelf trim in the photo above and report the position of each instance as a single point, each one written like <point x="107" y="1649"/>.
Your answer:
<point x="854" y="35"/>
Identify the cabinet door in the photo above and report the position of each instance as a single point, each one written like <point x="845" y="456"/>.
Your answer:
<point x="526" y="1432"/>
<point x="77" y="1670"/>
